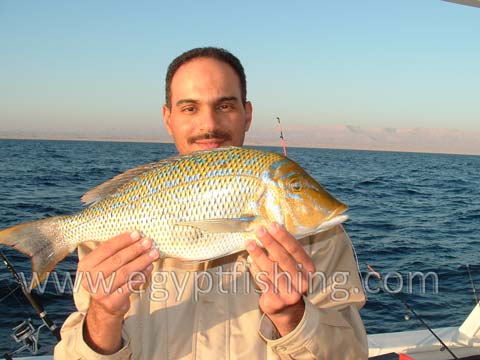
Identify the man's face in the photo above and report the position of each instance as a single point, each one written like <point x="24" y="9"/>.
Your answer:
<point x="206" y="107"/>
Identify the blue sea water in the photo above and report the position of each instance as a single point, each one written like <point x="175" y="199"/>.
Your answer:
<point x="409" y="212"/>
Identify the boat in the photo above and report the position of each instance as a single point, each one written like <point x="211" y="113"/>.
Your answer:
<point x="462" y="341"/>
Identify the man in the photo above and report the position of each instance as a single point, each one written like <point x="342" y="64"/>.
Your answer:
<point x="185" y="316"/>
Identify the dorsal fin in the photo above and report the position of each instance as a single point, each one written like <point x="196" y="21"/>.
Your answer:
<point x="109" y="187"/>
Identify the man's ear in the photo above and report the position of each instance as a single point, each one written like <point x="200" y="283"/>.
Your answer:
<point x="166" y="118"/>
<point x="248" y="115"/>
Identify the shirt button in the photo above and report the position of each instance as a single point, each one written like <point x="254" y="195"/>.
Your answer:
<point x="281" y="348"/>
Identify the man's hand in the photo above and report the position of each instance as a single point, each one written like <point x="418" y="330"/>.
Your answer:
<point x="110" y="273"/>
<point x="281" y="271"/>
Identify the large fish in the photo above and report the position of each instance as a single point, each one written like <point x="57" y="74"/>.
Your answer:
<point x="196" y="207"/>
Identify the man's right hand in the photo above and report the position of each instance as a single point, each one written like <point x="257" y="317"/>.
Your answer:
<point x="125" y="262"/>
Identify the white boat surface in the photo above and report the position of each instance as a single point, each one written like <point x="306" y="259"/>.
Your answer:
<point x="463" y="341"/>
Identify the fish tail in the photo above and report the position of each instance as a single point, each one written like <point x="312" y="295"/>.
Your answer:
<point x="42" y="241"/>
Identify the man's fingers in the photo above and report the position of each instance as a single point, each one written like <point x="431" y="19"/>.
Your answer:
<point x="125" y="273"/>
<point x="107" y="249"/>
<point x="279" y="254"/>
<point x="282" y="281"/>
<point x="272" y="299"/>
<point x="260" y="277"/>
<point x="294" y="269"/>
<point x="114" y="299"/>
<point x="136" y="280"/>
<point x="292" y="246"/>
<point x="126" y="260"/>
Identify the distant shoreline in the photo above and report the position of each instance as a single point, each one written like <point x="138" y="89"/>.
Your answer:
<point x="247" y="143"/>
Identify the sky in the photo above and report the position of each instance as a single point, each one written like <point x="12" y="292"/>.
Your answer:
<point x="97" y="68"/>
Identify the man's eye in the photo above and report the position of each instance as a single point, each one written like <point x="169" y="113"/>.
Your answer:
<point x="224" y="107"/>
<point x="189" y="109"/>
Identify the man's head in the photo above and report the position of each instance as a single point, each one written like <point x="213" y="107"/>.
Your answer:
<point x="206" y="104"/>
<point x="207" y="52"/>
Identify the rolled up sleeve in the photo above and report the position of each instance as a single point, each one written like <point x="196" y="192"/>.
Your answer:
<point x="73" y="346"/>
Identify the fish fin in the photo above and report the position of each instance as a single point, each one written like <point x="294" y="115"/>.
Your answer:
<point x="109" y="187"/>
<point x="241" y="224"/>
<point x="42" y="241"/>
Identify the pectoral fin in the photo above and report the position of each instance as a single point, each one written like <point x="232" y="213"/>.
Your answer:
<point x="241" y="224"/>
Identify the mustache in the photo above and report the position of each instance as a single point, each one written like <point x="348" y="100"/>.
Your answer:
<point x="210" y="135"/>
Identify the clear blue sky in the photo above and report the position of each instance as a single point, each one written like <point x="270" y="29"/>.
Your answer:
<point x="98" y="67"/>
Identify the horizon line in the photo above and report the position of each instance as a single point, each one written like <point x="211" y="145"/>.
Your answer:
<point x="247" y="143"/>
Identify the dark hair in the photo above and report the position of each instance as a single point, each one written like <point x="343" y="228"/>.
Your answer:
<point x="207" y="52"/>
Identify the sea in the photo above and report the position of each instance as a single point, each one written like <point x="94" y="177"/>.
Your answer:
<point x="414" y="217"/>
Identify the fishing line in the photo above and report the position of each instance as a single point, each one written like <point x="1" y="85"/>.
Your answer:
<point x="33" y="302"/>
<point x="474" y="289"/>
<point x="282" y="137"/>
<point x="409" y="308"/>
<point x="10" y="293"/>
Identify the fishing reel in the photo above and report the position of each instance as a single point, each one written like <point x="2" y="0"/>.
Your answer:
<point x="26" y="334"/>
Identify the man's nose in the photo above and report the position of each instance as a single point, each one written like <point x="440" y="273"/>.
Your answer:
<point x="209" y="120"/>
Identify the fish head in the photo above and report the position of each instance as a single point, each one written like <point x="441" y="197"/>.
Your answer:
<point x="296" y="200"/>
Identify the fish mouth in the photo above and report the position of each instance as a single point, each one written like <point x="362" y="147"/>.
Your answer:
<point x="337" y="212"/>
<point x="334" y="219"/>
<point x="326" y="225"/>
<point x="331" y="222"/>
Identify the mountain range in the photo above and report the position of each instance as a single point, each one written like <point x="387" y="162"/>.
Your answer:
<point x="373" y="138"/>
<point x="429" y="140"/>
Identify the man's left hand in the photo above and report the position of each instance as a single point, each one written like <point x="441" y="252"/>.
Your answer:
<point x="281" y="270"/>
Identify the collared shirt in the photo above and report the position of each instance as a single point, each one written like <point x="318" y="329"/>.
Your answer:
<point x="212" y="312"/>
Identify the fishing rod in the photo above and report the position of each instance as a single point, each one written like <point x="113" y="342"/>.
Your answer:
<point x="409" y="308"/>
<point x="474" y="289"/>
<point x="282" y="137"/>
<point x="25" y="332"/>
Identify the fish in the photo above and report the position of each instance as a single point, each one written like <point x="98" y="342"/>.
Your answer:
<point x="195" y="207"/>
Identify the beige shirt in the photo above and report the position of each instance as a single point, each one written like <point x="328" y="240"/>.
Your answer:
<point x="213" y="313"/>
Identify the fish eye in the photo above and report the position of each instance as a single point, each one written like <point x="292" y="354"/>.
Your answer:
<point x="295" y="185"/>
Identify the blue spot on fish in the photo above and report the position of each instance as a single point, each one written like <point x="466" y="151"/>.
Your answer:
<point x="279" y="163"/>
<point x="153" y="190"/>
<point x="289" y="175"/>
<point x="251" y="161"/>
<point x="171" y="183"/>
<point x="199" y="160"/>
<point x="116" y="205"/>
<point x="233" y="155"/>
<point x="219" y="172"/>
<point x="294" y="196"/>
<point x="190" y="178"/>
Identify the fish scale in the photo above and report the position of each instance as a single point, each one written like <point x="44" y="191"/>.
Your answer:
<point x="195" y="207"/>
<point x="203" y="177"/>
